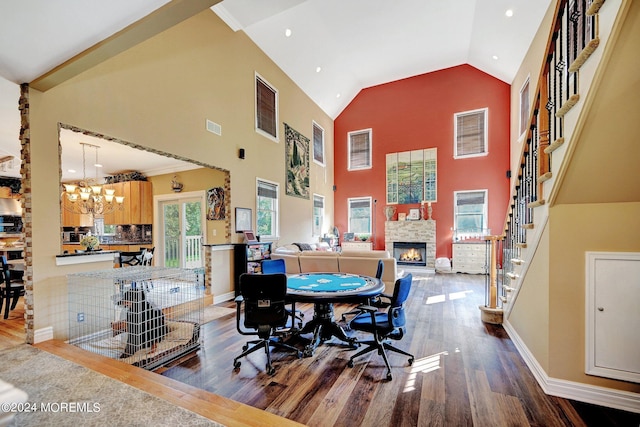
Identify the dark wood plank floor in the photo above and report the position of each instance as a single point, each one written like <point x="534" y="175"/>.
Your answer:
<point x="465" y="373"/>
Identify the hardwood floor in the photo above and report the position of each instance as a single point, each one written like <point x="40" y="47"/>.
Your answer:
<point x="466" y="373"/>
<point x="12" y="329"/>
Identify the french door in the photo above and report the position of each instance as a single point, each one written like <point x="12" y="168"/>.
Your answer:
<point x="180" y="221"/>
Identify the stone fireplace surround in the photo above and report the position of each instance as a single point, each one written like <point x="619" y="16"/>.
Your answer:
<point x="412" y="231"/>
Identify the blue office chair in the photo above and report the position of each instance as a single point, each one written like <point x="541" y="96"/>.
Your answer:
<point x="385" y="326"/>
<point x="374" y="301"/>
<point x="263" y="297"/>
<point x="275" y="266"/>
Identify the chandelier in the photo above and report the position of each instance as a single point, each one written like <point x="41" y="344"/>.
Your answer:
<point x="89" y="197"/>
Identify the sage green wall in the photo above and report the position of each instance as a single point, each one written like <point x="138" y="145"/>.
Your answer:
<point x="159" y="95"/>
<point x="200" y="179"/>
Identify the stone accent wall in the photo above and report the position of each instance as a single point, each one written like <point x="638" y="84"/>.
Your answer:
<point x="412" y="231"/>
<point x="25" y="171"/>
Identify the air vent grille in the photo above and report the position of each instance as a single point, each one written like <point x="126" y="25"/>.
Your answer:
<point x="214" y="128"/>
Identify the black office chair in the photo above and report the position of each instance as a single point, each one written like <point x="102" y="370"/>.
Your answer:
<point x="274" y="266"/>
<point x="384" y="326"/>
<point x="373" y="301"/>
<point x="263" y="296"/>
<point x="9" y="291"/>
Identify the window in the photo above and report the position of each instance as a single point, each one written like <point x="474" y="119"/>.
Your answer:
<point x="470" y="133"/>
<point x="412" y="176"/>
<point x="318" y="214"/>
<point x="266" y="109"/>
<point x="267" y="209"/>
<point x="470" y="213"/>
<point x="524" y="108"/>
<point x="360" y="215"/>
<point x="360" y="150"/>
<point x="318" y="144"/>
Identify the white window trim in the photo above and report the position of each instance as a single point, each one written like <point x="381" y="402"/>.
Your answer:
<point x="370" y="131"/>
<point x="486" y="134"/>
<point x="255" y="109"/>
<point x="323" y="163"/>
<point x="271" y="238"/>
<point x="485" y="213"/>
<point x="313" y="214"/>
<point x="349" y="200"/>
<point x="523" y="131"/>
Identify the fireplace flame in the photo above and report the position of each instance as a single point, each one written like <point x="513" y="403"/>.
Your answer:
<point x="411" y="255"/>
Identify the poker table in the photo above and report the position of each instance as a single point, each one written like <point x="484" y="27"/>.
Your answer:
<point x="324" y="289"/>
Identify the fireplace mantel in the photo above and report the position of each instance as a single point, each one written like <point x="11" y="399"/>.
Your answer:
<point x="412" y="231"/>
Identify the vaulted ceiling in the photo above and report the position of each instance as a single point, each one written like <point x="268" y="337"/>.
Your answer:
<point x="331" y="48"/>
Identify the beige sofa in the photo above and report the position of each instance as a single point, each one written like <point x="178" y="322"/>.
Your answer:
<point x="356" y="262"/>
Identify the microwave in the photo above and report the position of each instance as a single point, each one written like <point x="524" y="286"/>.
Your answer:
<point x="10" y="224"/>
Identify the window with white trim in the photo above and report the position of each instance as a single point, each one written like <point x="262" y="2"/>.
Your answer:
<point x="524" y="108"/>
<point x="267" y="194"/>
<point x="359" y="150"/>
<point x="318" y="214"/>
<point x="318" y="144"/>
<point x="359" y="215"/>
<point x="266" y="109"/>
<point x="470" y="134"/>
<point x="470" y="213"/>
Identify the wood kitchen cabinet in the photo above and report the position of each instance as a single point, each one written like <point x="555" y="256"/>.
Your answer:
<point x="137" y="207"/>
<point x="70" y="218"/>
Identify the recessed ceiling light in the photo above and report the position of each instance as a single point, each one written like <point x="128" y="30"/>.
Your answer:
<point x="287" y="32"/>
<point x="318" y="69"/>
<point x="495" y="57"/>
<point x="98" y="165"/>
<point x="71" y="171"/>
<point x="338" y="95"/>
<point x="509" y="13"/>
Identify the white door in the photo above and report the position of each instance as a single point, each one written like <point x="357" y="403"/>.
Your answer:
<point x="181" y="231"/>
<point x="614" y="314"/>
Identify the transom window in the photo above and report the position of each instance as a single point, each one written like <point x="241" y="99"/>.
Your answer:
<point x="470" y="214"/>
<point x="360" y="215"/>
<point x="267" y="209"/>
<point x="359" y="149"/>
<point x="266" y="109"/>
<point x="470" y="133"/>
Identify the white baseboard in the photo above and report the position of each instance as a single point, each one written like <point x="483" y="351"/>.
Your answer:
<point x="44" y="334"/>
<point x="224" y="297"/>
<point x="581" y="392"/>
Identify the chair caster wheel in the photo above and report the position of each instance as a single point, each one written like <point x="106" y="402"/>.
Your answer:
<point x="236" y="365"/>
<point x="389" y="378"/>
<point x="271" y="370"/>
<point x="350" y="363"/>
<point x="245" y="347"/>
<point x="411" y="361"/>
<point x="299" y="355"/>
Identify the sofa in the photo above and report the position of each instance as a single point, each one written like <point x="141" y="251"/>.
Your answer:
<point x="356" y="262"/>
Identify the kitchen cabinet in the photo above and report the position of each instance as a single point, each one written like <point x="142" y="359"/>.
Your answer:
<point x="137" y="207"/>
<point x="71" y="218"/>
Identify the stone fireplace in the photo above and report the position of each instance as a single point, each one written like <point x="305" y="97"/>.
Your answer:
<point x="420" y="232"/>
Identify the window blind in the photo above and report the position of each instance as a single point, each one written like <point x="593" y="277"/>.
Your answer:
<point x="318" y="144"/>
<point x="266" y="189"/>
<point x="470" y="133"/>
<point x="266" y="108"/>
<point x="359" y="150"/>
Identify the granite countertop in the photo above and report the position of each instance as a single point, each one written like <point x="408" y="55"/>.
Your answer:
<point x="91" y="253"/>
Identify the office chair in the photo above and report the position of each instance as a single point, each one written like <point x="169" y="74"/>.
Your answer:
<point x="9" y="291"/>
<point x="274" y="266"/>
<point x="374" y="301"/>
<point x="263" y="296"/>
<point x="384" y="326"/>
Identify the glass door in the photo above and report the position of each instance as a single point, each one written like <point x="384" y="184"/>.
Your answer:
<point x="182" y="232"/>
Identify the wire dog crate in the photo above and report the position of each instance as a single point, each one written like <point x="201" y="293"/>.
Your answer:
<point x="143" y="315"/>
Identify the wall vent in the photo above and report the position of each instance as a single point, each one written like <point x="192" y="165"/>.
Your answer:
<point x="214" y="128"/>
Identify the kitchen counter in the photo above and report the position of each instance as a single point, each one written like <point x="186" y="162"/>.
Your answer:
<point x="86" y="257"/>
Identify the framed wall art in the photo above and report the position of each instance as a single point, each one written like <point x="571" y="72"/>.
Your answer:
<point x="297" y="163"/>
<point x="243" y="220"/>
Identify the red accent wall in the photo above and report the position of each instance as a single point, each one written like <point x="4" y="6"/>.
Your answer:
<point x="417" y="113"/>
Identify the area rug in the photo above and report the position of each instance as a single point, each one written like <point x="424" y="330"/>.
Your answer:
<point x="212" y="312"/>
<point x="62" y="393"/>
